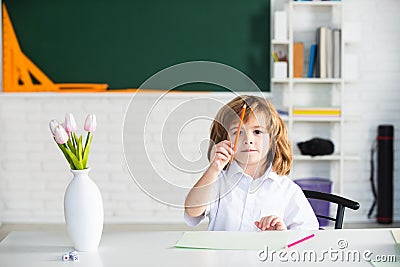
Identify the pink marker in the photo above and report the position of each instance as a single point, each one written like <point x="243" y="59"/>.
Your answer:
<point x="299" y="241"/>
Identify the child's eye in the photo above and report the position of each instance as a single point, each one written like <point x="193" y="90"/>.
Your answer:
<point x="235" y="132"/>
<point x="257" y="132"/>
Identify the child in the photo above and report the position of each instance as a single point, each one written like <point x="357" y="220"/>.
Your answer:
<point x="253" y="193"/>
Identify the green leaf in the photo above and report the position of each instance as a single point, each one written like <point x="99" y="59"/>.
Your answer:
<point x="71" y="145"/>
<point x="65" y="155"/>
<point x="75" y="140"/>
<point x="86" y="151"/>
<point x="77" y="163"/>
<point x="72" y="159"/>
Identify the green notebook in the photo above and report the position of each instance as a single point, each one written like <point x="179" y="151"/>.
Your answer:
<point x="232" y="240"/>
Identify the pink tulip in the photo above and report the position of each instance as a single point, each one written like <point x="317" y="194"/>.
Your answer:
<point x="53" y="124"/>
<point x="69" y="124"/>
<point x="90" y="123"/>
<point x="60" y="135"/>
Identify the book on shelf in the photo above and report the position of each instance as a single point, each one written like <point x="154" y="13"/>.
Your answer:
<point x="329" y="53"/>
<point x="321" y="60"/>
<point x="282" y="112"/>
<point x="336" y="53"/>
<point x="316" y="111"/>
<point x="298" y="59"/>
<point x="311" y="64"/>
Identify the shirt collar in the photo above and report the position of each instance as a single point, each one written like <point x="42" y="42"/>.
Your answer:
<point x="234" y="168"/>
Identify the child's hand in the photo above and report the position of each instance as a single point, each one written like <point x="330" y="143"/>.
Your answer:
<point x="270" y="222"/>
<point x="220" y="155"/>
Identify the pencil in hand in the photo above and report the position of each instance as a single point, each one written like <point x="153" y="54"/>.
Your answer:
<point x="238" y="132"/>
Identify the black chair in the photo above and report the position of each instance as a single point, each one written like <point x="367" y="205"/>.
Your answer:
<point x="342" y="204"/>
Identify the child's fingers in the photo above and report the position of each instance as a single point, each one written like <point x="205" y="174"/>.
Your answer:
<point x="275" y="221"/>
<point x="259" y="224"/>
<point x="225" y="150"/>
<point x="264" y="223"/>
<point x="224" y="143"/>
<point x="278" y="224"/>
<point x="221" y="156"/>
<point x="220" y="148"/>
<point x="227" y="145"/>
<point x="227" y="142"/>
<point x="281" y="225"/>
<point x="272" y="221"/>
<point x="268" y="221"/>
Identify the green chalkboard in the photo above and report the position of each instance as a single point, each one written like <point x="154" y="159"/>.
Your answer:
<point x="124" y="42"/>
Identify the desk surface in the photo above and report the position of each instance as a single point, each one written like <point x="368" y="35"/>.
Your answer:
<point x="157" y="249"/>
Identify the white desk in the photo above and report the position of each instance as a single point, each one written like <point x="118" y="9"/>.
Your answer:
<point x="21" y="249"/>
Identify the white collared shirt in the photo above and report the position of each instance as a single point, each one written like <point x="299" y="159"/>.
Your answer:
<point x="238" y="201"/>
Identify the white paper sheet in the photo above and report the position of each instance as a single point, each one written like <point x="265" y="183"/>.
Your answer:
<point x="233" y="240"/>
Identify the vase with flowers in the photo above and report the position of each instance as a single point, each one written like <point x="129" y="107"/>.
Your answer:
<point x="83" y="205"/>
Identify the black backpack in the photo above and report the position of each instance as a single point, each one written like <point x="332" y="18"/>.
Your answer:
<point x="316" y="147"/>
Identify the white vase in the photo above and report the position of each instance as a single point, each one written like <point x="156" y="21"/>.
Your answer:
<point x="83" y="211"/>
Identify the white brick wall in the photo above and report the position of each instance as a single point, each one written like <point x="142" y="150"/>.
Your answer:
<point x="34" y="174"/>
<point x="374" y="98"/>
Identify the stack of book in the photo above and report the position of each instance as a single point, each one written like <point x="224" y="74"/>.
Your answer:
<point x="325" y="55"/>
<point x="316" y="112"/>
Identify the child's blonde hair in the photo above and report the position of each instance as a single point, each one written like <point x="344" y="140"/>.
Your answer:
<point x="282" y="158"/>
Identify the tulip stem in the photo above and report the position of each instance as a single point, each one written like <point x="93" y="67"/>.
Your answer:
<point x="87" y="139"/>
<point x="80" y="149"/>
<point x="73" y="140"/>
<point x="76" y="162"/>
<point x="86" y="151"/>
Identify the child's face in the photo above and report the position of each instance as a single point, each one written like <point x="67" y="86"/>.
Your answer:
<point x="253" y="143"/>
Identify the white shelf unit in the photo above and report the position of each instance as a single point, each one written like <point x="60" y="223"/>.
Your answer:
<point x="304" y="18"/>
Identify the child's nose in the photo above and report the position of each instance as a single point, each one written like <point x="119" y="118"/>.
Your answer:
<point x="247" y="140"/>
